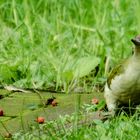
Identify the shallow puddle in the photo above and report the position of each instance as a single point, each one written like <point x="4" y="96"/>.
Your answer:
<point x="20" y="109"/>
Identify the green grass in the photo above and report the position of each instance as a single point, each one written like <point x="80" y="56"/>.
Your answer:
<point x="57" y="44"/>
<point x="43" y="43"/>
<point x="118" y="128"/>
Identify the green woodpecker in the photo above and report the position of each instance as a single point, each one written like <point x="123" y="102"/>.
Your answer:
<point x="123" y="83"/>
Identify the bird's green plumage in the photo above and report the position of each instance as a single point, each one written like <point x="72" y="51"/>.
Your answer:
<point x="119" y="69"/>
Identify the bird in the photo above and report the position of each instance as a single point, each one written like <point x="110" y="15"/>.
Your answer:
<point x="123" y="83"/>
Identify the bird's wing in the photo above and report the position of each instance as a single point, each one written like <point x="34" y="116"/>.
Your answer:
<point x="119" y="69"/>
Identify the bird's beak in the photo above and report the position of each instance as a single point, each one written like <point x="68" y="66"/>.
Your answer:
<point x="136" y="42"/>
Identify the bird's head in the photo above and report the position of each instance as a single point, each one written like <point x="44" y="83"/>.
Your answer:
<point x="136" y="40"/>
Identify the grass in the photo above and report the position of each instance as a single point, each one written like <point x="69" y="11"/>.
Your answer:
<point x="80" y="125"/>
<point x="56" y="44"/>
<point x="120" y="127"/>
<point x="68" y="46"/>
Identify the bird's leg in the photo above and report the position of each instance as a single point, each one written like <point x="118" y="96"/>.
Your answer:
<point x="111" y="104"/>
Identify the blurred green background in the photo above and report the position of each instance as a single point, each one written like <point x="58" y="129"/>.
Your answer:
<point x="64" y="44"/>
